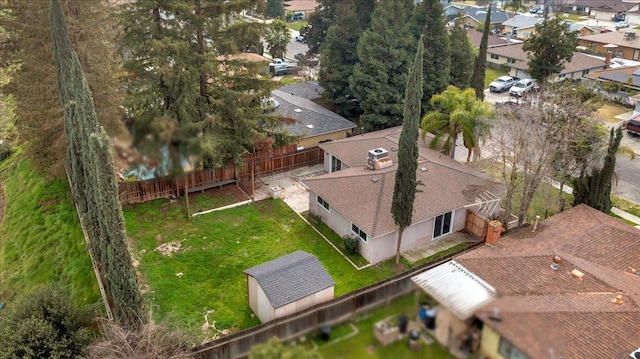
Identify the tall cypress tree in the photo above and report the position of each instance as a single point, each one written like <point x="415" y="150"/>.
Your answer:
<point x="380" y="76"/>
<point x="90" y="166"/>
<point x="430" y="23"/>
<point x="594" y="189"/>
<point x="404" y="190"/>
<point x="480" y="63"/>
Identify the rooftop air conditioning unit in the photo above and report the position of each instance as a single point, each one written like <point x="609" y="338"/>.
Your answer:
<point x="377" y="155"/>
<point x="629" y="35"/>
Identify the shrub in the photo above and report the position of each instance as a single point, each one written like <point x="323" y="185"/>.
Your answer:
<point x="351" y="245"/>
<point x="5" y="150"/>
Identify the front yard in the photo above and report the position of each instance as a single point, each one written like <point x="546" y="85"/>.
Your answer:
<point x="200" y="270"/>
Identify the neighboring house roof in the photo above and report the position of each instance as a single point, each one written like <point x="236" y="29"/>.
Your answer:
<point x="364" y="196"/>
<point x="311" y="118"/>
<point x="461" y="291"/>
<point x="523" y="21"/>
<point x="475" y="38"/>
<point x="579" y="62"/>
<point x="310" y="90"/>
<point x="479" y="14"/>
<point x="614" y="37"/>
<point x="541" y="308"/>
<point x="291" y="277"/>
<point x="628" y="76"/>
<point x="301" y="5"/>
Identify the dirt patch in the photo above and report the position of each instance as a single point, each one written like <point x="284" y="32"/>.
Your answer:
<point x="609" y="111"/>
<point x="167" y="249"/>
<point x="1" y="204"/>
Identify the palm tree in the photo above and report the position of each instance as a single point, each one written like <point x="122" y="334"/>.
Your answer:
<point x="277" y="37"/>
<point x="455" y="112"/>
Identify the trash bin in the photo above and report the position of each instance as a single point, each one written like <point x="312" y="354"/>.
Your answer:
<point x="275" y="192"/>
<point x="430" y="320"/>
<point x="423" y="311"/>
<point x="414" y="340"/>
<point x="403" y="322"/>
<point x="325" y="332"/>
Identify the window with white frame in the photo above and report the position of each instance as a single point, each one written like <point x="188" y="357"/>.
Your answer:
<point x="511" y="61"/>
<point x="358" y="232"/>
<point x="495" y="57"/>
<point x="336" y="164"/>
<point x="442" y="225"/>
<point x="322" y="202"/>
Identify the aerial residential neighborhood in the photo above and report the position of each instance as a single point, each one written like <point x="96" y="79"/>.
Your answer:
<point x="271" y="179"/>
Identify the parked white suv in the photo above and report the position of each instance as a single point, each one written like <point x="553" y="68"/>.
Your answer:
<point x="521" y="87"/>
<point x="501" y="84"/>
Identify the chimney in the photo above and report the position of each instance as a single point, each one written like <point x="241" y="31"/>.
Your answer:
<point x="607" y="60"/>
<point x="493" y="232"/>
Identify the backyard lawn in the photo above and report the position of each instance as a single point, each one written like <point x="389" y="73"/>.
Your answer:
<point x="205" y="275"/>
<point x="492" y="74"/>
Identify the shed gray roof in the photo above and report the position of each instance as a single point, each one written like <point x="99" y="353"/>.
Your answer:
<point x="291" y="277"/>
<point x="312" y="119"/>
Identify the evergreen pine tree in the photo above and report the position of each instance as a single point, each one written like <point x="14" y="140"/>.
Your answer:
<point x="461" y="57"/>
<point x="189" y="93"/>
<point x="480" y="62"/>
<point x="340" y="46"/>
<point x="274" y="9"/>
<point x="38" y="113"/>
<point x="430" y="23"/>
<point x="404" y="190"/>
<point x="594" y="189"/>
<point x="380" y="76"/>
<point x="92" y="177"/>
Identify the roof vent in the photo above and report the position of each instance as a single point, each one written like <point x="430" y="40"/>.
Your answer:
<point x="494" y="315"/>
<point x="617" y="299"/>
<point x="297" y="110"/>
<point x="576" y="273"/>
<point x="374" y="179"/>
<point x="555" y="262"/>
<point x="423" y="169"/>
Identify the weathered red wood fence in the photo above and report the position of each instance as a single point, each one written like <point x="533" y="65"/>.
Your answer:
<point x="263" y="163"/>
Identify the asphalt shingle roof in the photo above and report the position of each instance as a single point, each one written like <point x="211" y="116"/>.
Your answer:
<point x="523" y="21"/>
<point x="613" y="37"/>
<point x="541" y="308"/>
<point x="311" y="118"/>
<point x="291" y="277"/>
<point x="480" y="14"/>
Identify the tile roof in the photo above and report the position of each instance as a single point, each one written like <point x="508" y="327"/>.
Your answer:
<point x="475" y="38"/>
<point x="542" y="308"/>
<point x="311" y="118"/>
<point x="623" y="75"/>
<point x="513" y="51"/>
<point x="291" y="277"/>
<point x="301" y="5"/>
<point x="613" y="37"/>
<point x="448" y="184"/>
<point x="579" y="62"/>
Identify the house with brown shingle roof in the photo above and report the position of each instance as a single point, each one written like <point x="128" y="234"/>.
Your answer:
<point x="627" y="42"/>
<point x="585" y="306"/>
<point x="354" y="198"/>
<point x="515" y="58"/>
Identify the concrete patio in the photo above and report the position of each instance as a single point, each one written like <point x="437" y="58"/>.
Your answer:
<point x="438" y="245"/>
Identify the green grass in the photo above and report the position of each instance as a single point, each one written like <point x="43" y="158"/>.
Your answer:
<point x="574" y="17"/>
<point x="625" y="205"/>
<point x="364" y="345"/>
<point x="296" y="25"/>
<point x="334" y="238"/>
<point x="41" y="241"/>
<point x="492" y="74"/>
<point x="216" y="249"/>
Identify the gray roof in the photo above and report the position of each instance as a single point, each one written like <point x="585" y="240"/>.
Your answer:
<point x="523" y="21"/>
<point x="291" y="277"/>
<point x="480" y="14"/>
<point x="311" y="118"/>
<point x="310" y="90"/>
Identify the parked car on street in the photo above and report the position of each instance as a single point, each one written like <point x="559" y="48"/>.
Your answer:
<point x="521" y="87"/>
<point x="632" y="126"/>
<point x="300" y="38"/>
<point x="534" y="10"/>
<point x="622" y="25"/>
<point x="502" y="83"/>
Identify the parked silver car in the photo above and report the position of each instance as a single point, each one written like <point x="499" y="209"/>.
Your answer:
<point x="521" y="87"/>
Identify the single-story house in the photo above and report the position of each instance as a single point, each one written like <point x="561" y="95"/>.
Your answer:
<point x="287" y="285"/>
<point x="312" y="123"/>
<point x="354" y="198"/>
<point x="305" y="7"/>
<point x="567" y="288"/>
<point x="474" y="16"/>
<point x="475" y="37"/>
<point x="627" y="80"/>
<point x="515" y="58"/>
<point x="624" y="44"/>
<point x="452" y="11"/>
<point x="521" y="26"/>
<point x="584" y="30"/>
<point x="610" y="9"/>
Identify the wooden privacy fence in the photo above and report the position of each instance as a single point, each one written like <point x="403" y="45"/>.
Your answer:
<point x="261" y="163"/>
<point x="333" y="312"/>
